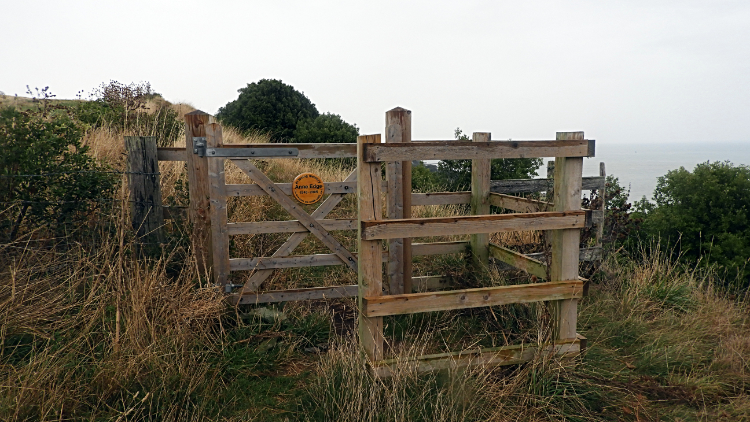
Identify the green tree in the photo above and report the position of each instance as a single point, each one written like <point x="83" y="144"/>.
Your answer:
<point x="326" y="127"/>
<point x="46" y="176"/>
<point x="456" y="174"/>
<point x="704" y="214"/>
<point x="268" y="105"/>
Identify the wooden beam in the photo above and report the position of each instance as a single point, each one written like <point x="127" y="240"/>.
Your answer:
<point x="431" y="283"/>
<point x="370" y="273"/>
<point x="440" y="198"/>
<point x="290" y="295"/>
<point x="565" y="243"/>
<point x="584" y="255"/>
<point x="252" y="189"/>
<point x="439" y="248"/>
<point x="295" y="261"/>
<point x="291" y="226"/>
<point x="171" y="154"/>
<point x="296" y="211"/>
<point x="440" y="226"/>
<point x="294" y="240"/>
<point x="481" y="174"/>
<point x="537" y="185"/>
<point x="147" y="216"/>
<point x="399" y="119"/>
<point x="198" y="190"/>
<point x="394" y="177"/>
<point x="488" y="357"/>
<point x="518" y="204"/>
<point x="218" y="208"/>
<point x="518" y="260"/>
<point x="455" y="150"/>
<point x="375" y="306"/>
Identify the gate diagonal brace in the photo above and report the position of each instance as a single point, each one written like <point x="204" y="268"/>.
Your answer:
<point x="292" y="208"/>
<point x="294" y="240"/>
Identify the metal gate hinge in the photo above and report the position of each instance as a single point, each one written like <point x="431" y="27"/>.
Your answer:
<point x="199" y="146"/>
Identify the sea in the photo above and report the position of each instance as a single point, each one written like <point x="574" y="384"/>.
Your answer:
<point x="638" y="166"/>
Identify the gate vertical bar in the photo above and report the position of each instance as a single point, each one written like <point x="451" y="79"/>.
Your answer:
<point x="395" y="209"/>
<point x="218" y="208"/>
<point x="370" y="266"/>
<point x="481" y="172"/>
<point x="402" y="117"/>
<point x="565" y="242"/>
<point x="197" y="167"/>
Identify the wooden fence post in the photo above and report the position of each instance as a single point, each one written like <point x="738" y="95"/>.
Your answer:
<point x="218" y="208"/>
<point x="370" y="267"/>
<point x="198" y="189"/>
<point x="603" y="196"/>
<point x="565" y="242"/>
<point x="145" y="194"/>
<point x="401" y="117"/>
<point x="395" y="209"/>
<point x="481" y="173"/>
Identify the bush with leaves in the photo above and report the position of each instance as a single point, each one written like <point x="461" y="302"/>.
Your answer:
<point x="46" y="175"/>
<point x="268" y="105"/>
<point x="456" y="174"/>
<point x="704" y="215"/>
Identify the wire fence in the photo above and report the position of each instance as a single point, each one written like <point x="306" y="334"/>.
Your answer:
<point x="11" y="176"/>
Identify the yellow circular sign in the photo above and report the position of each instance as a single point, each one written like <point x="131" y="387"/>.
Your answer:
<point x="308" y="188"/>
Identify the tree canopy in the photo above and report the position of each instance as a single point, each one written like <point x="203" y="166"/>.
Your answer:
<point x="268" y="105"/>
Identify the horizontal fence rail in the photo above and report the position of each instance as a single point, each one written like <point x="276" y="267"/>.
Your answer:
<point x="438" y="226"/>
<point x="458" y="150"/>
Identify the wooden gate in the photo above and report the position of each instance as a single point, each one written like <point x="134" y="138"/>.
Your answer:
<point x="562" y="285"/>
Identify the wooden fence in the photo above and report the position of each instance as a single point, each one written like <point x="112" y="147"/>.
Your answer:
<point x="211" y="230"/>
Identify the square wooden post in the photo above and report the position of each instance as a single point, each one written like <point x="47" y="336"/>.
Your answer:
<point x="401" y="118"/>
<point x="481" y="173"/>
<point x="370" y="261"/>
<point x="395" y="209"/>
<point x="145" y="193"/>
<point x="565" y="242"/>
<point x="218" y="208"/>
<point x="198" y="189"/>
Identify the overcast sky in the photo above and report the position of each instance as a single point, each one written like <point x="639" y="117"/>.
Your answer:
<point x="624" y="71"/>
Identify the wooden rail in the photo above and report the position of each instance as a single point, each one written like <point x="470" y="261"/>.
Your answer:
<point x="377" y="306"/>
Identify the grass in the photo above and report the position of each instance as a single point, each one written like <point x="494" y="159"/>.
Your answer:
<point x="92" y="333"/>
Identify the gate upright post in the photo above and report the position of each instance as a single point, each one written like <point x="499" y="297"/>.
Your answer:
<point x="402" y="117"/>
<point x="198" y="189"/>
<point x="481" y="173"/>
<point x="370" y="259"/>
<point x="565" y="242"/>
<point x="218" y="209"/>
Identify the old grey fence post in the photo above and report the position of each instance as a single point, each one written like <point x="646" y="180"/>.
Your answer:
<point x="147" y="215"/>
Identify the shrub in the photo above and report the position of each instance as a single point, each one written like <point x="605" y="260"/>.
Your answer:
<point x="326" y="128"/>
<point x="456" y="174"/>
<point x="704" y="215"/>
<point x="47" y="177"/>
<point x="268" y="105"/>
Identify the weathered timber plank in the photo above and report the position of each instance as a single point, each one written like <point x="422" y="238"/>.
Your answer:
<point x="147" y="216"/>
<point x="290" y="295"/>
<point x="291" y="226"/>
<point x="563" y="263"/>
<point x="297" y="261"/>
<point x="370" y="267"/>
<point x="438" y="226"/>
<point x="538" y="185"/>
<point x="440" y="198"/>
<point x="518" y="204"/>
<point x="394" y="177"/>
<point x="255" y="190"/>
<point x="171" y="154"/>
<point x="296" y="211"/>
<point x="520" y="261"/>
<point x="330" y="150"/>
<point x="439" y="248"/>
<point x="197" y="169"/>
<point x="495" y="356"/>
<point x="585" y="255"/>
<point x="399" y="119"/>
<point x="294" y="240"/>
<point x="457" y="150"/>
<point x="431" y="283"/>
<point x="218" y="208"/>
<point x="481" y="175"/>
<point x="471" y="298"/>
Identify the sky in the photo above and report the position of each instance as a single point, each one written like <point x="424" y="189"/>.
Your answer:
<point x="621" y="71"/>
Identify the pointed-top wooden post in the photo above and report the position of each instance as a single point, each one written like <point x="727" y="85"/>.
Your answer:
<point x="399" y="120"/>
<point x="198" y="187"/>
